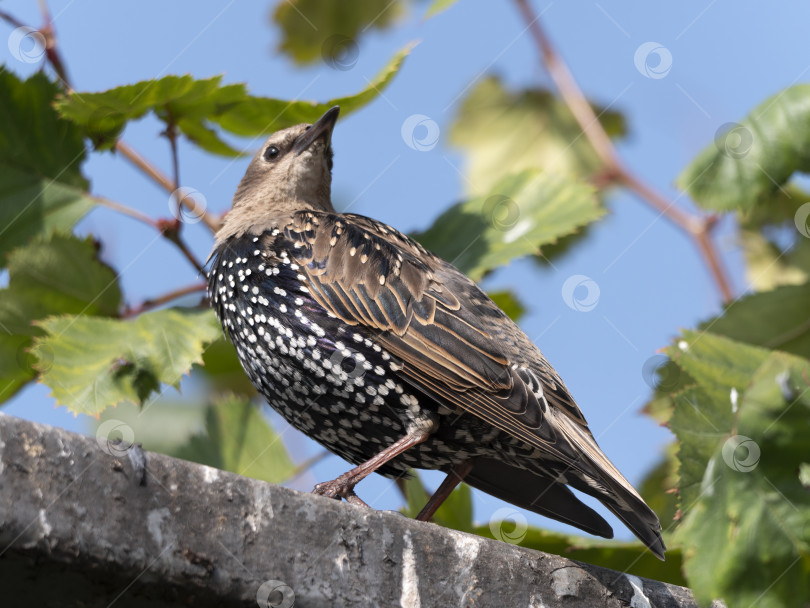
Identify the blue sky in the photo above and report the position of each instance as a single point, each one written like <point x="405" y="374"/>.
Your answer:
<point x="726" y="58"/>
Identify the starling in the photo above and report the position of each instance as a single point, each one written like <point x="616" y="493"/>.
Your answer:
<point x="392" y="358"/>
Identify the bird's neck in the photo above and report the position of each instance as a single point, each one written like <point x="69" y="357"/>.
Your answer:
<point x="254" y="217"/>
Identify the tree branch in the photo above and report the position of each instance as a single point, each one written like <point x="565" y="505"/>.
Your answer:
<point x="697" y="227"/>
<point x="164" y="299"/>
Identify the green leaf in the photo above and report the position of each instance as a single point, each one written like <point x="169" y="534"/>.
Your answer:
<point x="179" y="100"/>
<point x="768" y="266"/>
<point x="259" y="115"/>
<point x="520" y="214"/>
<point x="222" y="370"/>
<point x="239" y="439"/>
<point x="748" y="162"/>
<point x="657" y="487"/>
<point x="439" y="6"/>
<point x="742" y="432"/>
<point x="61" y="275"/>
<point x="196" y="107"/>
<point x="162" y="427"/>
<point x="42" y="190"/>
<point x="777" y="319"/>
<point x="456" y="512"/>
<point x="98" y="363"/>
<point x="508" y="302"/>
<point x="631" y="557"/>
<point x="313" y="30"/>
<point x="505" y="132"/>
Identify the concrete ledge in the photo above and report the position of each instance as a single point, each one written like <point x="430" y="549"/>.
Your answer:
<point x="77" y="528"/>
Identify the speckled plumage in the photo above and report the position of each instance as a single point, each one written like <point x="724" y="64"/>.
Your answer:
<point x="359" y="337"/>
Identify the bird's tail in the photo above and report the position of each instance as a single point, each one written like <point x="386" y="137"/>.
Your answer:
<point x="602" y="480"/>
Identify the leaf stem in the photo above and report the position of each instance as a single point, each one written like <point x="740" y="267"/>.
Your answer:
<point x="697" y="227"/>
<point x="164" y="299"/>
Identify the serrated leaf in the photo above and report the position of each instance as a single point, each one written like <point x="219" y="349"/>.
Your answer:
<point x="746" y="519"/>
<point x="42" y="190"/>
<point x="312" y="30"/>
<point x="196" y="107"/>
<point x="239" y="439"/>
<point x="749" y="161"/>
<point x="92" y="364"/>
<point x="522" y="212"/>
<point x="777" y="319"/>
<point x="260" y="115"/>
<point x="61" y="275"/>
<point x="509" y="303"/>
<point x="505" y="132"/>
<point x="180" y="100"/>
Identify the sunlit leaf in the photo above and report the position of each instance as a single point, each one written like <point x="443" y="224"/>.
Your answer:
<point x="42" y="190"/>
<point x="197" y="107"/>
<point x="259" y="115"/>
<point x="504" y="132"/>
<point x="313" y="30"/>
<point x="520" y="214"/>
<point x="749" y="161"/>
<point x="91" y="364"/>
<point x="778" y="319"/>
<point x="60" y="275"/>
<point x="742" y="431"/>
<point x="239" y="439"/>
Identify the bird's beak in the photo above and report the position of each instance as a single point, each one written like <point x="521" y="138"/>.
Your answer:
<point x="322" y="128"/>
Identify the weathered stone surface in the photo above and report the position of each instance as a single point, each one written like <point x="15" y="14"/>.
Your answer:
<point x="78" y="529"/>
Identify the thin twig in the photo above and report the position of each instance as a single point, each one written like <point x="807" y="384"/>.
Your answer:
<point x="697" y="227"/>
<point x="126" y="210"/>
<point x="166" y="183"/>
<point x="10" y="19"/>
<point x="55" y="59"/>
<point x="164" y="299"/>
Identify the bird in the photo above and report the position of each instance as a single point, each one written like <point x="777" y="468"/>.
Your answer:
<point x="393" y="359"/>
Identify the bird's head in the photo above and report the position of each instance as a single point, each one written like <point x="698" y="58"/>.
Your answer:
<point x="291" y="171"/>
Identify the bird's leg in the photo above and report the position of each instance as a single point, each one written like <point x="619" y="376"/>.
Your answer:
<point x="454" y="477"/>
<point x="343" y="486"/>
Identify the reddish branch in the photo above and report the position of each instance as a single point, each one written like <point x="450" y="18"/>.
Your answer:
<point x="164" y="299"/>
<point x="696" y="226"/>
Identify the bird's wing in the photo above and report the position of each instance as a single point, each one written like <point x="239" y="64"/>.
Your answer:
<point x="450" y="338"/>
<point x="455" y="345"/>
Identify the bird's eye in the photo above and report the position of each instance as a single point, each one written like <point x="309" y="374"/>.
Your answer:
<point x="271" y="153"/>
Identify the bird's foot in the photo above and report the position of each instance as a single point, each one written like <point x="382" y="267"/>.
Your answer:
<point x="337" y="489"/>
